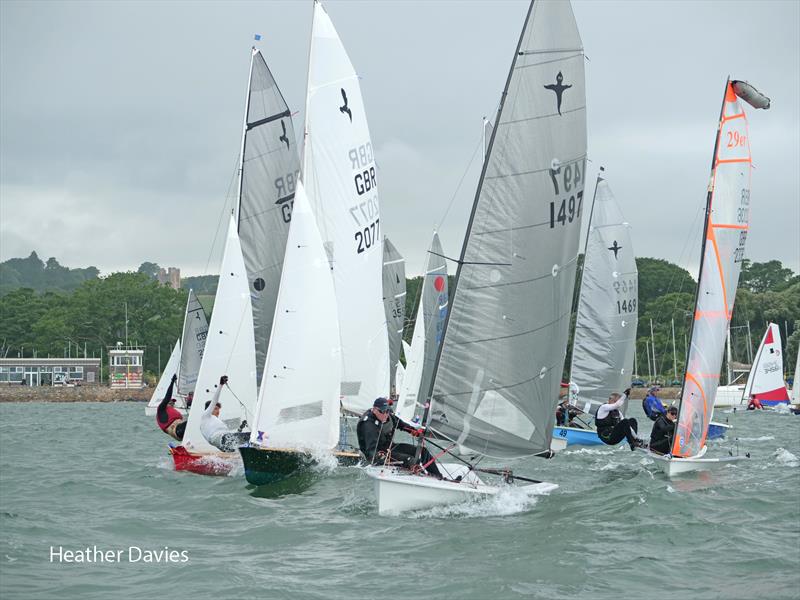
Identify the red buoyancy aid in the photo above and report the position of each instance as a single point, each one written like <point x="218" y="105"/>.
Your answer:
<point x="172" y="416"/>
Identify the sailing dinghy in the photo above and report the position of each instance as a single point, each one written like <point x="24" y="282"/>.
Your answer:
<point x="498" y="370"/>
<point x="765" y="382"/>
<point x="296" y="423"/>
<point x="724" y="235"/>
<point x="163" y="383"/>
<point x="605" y="325"/>
<point x="394" y="302"/>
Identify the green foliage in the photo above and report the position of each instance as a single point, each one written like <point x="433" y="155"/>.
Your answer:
<point x="32" y="273"/>
<point x="762" y="277"/>
<point x="201" y="284"/>
<point x="150" y="269"/>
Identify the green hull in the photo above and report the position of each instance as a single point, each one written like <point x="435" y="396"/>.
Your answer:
<point x="263" y="466"/>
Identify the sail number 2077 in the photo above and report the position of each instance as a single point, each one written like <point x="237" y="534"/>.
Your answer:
<point x="368" y="236"/>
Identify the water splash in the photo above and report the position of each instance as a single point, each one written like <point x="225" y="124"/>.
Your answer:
<point x="786" y="458"/>
<point x="324" y="461"/>
<point x="509" y="500"/>
<point x="762" y="438"/>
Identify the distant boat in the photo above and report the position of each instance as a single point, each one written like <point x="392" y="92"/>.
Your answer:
<point x="394" y="302"/>
<point x="724" y="235"/>
<point x="765" y="382"/>
<point x="428" y="326"/>
<point x="498" y="370"/>
<point x="607" y="316"/>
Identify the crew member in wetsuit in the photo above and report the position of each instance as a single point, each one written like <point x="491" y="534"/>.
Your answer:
<point x="611" y="427"/>
<point x="168" y="418"/>
<point x="652" y="405"/>
<point x="215" y="430"/>
<point x="375" y="431"/>
<point x="663" y="430"/>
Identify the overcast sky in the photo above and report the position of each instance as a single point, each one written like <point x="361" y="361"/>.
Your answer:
<point x="120" y="123"/>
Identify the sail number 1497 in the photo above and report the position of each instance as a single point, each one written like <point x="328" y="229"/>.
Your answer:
<point x="570" y="178"/>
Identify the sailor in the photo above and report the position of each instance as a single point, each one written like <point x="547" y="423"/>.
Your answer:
<point x="652" y="405"/>
<point x="611" y="427"/>
<point x="168" y="418"/>
<point x="215" y="430"/>
<point x="375" y="431"/>
<point x="663" y="430"/>
<point x="754" y="404"/>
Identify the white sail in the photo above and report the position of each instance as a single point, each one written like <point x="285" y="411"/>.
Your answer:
<point x="605" y="326"/>
<point x="498" y="375"/>
<point x="394" y="302"/>
<point x="229" y="349"/>
<point x="428" y="328"/>
<point x="268" y="176"/>
<point x="727" y="223"/>
<point x="195" y="332"/>
<point x="766" y="375"/>
<point x="339" y="177"/>
<point x="796" y="380"/>
<point x="298" y="402"/>
<point x="170" y="369"/>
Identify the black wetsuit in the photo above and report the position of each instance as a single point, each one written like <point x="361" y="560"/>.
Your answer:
<point x="661" y="436"/>
<point x="612" y="429"/>
<point x="375" y="437"/>
<point x="161" y="412"/>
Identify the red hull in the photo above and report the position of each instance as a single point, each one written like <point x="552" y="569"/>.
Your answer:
<point x="200" y="463"/>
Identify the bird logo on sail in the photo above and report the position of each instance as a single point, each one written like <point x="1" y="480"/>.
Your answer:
<point x="558" y="88"/>
<point x="344" y="108"/>
<point x="283" y="137"/>
<point x="615" y="248"/>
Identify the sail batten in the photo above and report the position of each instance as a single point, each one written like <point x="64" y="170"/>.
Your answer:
<point x="506" y="332"/>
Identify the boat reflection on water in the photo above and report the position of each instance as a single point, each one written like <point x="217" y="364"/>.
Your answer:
<point x="296" y="484"/>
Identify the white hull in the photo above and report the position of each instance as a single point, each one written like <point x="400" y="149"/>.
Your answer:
<point x="398" y="490"/>
<point x="672" y="465"/>
<point x="729" y="395"/>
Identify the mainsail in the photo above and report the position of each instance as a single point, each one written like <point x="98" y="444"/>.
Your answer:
<point x="605" y="326"/>
<point x="766" y="375"/>
<point x="298" y="402"/>
<point x="268" y="176"/>
<point x="229" y="349"/>
<point x="428" y="329"/>
<point x="726" y="226"/>
<point x="339" y="177"/>
<point x="499" y="368"/>
<point x="796" y="380"/>
<point x="195" y="331"/>
<point x="394" y="302"/>
<point x="163" y="383"/>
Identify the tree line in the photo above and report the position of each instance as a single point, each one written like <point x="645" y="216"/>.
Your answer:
<point x="52" y="310"/>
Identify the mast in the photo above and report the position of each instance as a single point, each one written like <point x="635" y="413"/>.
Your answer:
<point x="475" y="201"/>
<point x="709" y="196"/>
<point x="237" y="208"/>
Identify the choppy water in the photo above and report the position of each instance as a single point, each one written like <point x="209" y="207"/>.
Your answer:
<point x="78" y="475"/>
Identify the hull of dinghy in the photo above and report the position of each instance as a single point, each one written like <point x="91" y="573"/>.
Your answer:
<point x="673" y="466"/>
<point x="398" y="490"/>
<point x="717" y="431"/>
<point x="202" y="464"/>
<point x="263" y="466"/>
<point x="577" y="437"/>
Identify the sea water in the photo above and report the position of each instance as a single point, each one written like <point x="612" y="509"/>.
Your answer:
<point x="95" y="480"/>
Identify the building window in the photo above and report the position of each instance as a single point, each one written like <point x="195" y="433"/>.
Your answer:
<point x="76" y="373"/>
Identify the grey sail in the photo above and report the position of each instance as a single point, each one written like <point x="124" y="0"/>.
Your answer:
<point x="497" y="377"/>
<point x="269" y="171"/>
<point x="394" y="302"/>
<point x="193" y="344"/>
<point x="605" y="326"/>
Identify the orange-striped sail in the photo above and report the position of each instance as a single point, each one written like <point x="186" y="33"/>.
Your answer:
<point x="726" y="227"/>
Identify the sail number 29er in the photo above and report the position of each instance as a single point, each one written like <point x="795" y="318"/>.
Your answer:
<point x="366" y="212"/>
<point x="568" y="178"/>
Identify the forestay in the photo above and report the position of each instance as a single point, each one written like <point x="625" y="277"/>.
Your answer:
<point x="339" y="175"/>
<point x="229" y="349"/>
<point x="428" y="329"/>
<point x="726" y="226"/>
<point x="605" y="326"/>
<point x="298" y="402"/>
<point x="766" y="375"/>
<point x="269" y="172"/>
<point x="394" y="302"/>
<point x="498" y="374"/>
<point x="195" y="332"/>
